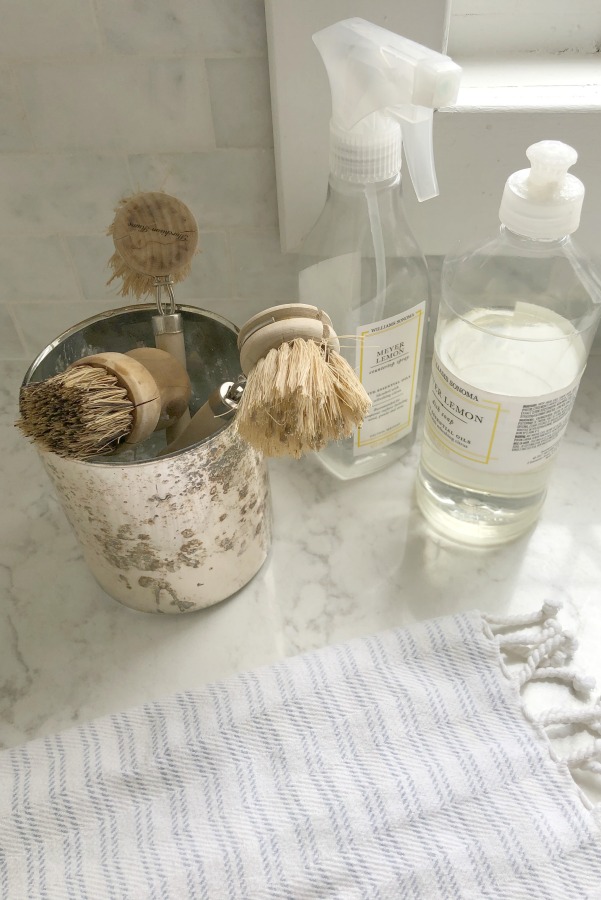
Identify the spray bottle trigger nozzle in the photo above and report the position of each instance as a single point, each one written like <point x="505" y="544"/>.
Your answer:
<point x="416" y="128"/>
<point x="375" y="74"/>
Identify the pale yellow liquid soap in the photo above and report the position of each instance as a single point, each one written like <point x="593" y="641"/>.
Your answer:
<point x="527" y="353"/>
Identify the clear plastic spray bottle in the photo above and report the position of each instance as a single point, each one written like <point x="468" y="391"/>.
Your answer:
<point x="360" y="261"/>
<point x="517" y="319"/>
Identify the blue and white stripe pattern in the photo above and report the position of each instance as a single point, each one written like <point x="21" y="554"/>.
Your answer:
<point x="395" y="766"/>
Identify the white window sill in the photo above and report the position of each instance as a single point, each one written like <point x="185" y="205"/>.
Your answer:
<point x="533" y="82"/>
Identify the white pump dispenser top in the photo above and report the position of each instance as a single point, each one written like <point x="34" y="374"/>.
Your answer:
<point x="379" y="79"/>
<point x="545" y="201"/>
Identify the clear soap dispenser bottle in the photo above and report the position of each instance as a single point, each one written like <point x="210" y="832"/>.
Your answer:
<point x="517" y="318"/>
<point x="360" y="261"/>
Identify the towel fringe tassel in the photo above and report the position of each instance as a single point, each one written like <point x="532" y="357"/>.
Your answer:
<point x="546" y="649"/>
<point x="548" y="610"/>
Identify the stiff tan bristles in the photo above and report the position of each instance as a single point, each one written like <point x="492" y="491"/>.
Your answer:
<point x="135" y="284"/>
<point x="79" y="413"/>
<point x="298" y="398"/>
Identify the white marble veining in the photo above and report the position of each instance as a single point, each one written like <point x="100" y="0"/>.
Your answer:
<point x="348" y="559"/>
<point x="180" y="26"/>
<point x="48" y="30"/>
<point x="14" y="130"/>
<point x="50" y="278"/>
<point x="240" y="102"/>
<point x="122" y="104"/>
<point x="42" y="194"/>
<point x="11" y="344"/>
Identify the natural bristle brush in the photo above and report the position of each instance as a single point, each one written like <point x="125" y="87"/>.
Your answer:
<point x="155" y="237"/>
<point x="104" y="400"/>
<point x="300" y="392"/>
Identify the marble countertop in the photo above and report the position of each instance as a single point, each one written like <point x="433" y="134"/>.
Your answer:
<point x="348" y="558"/>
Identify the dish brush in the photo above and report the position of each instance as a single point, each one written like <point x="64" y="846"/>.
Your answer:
<point x="155" y="237"/>
<point x="300" y="393"/>
<point x="103" y="400"/>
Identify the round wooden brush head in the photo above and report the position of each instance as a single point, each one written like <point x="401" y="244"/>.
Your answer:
<point x="141" y="389"/>
<point x="279" y="325"/>
<point x="155" y="235"/>
<point x="156" y="383"/>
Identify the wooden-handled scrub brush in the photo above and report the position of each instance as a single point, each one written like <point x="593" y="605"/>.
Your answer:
<point x="300" y="392"/>
<point x="103" y="400"/>
<point x="155" y="237"/>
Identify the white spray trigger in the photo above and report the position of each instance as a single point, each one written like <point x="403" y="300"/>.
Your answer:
<point x="416" y="127"/>
<point x="376" y="76"/>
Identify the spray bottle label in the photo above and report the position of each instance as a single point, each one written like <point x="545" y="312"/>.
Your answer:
<point x="494" y="432"/>
<point x="388" y="357"/>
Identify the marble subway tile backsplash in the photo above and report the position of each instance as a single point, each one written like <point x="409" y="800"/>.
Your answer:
<point x="210" y="27"/>
<point x="102" y="98"/>
<point x="39" y="30"/>
<point x="43" y="194"/>
<point x="240" y="102"/>
<point x="118" y="105"/>
<point x="15" y="134"/>
<point x="50" y="273"/>
<point x="11" y="344"/>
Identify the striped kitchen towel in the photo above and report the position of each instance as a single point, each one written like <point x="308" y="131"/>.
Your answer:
<point x="400" y="765"/>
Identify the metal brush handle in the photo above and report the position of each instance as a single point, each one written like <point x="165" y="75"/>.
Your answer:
<point x="210" y="418"/>
<point x="169" y="336"/>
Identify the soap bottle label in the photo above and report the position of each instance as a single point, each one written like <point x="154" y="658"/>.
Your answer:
<point x="498" y="433"/>
<point x="387" y="362"/>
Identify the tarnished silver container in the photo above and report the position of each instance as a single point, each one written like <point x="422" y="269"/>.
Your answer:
<point x="178" y="533"/>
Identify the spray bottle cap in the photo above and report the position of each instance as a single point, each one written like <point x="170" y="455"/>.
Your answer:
<point x="379" y="79"/>
<point x="544" y="202"/>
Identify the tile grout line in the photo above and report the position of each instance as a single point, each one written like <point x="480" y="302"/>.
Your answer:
<point x="20" y="102"/>
<point x="106" y="55"/>
<point x="100" y="37"/>
<point x="207" y="82"/>
<point x="233" y="277"/>
<point x="71" y="261"/>
<point x="17" y="326"/>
